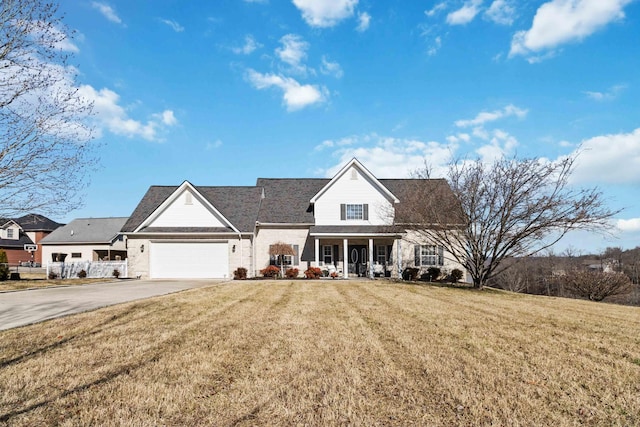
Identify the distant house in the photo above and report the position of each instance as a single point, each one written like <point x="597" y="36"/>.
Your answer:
<point x="86" y="239"/>
<point x="347" y="225"/>
<point x="26" y="230"/>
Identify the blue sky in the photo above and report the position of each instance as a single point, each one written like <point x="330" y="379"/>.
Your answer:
<point x="224" y="92"/>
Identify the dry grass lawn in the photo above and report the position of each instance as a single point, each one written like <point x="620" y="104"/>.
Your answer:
<point x="32" y="283"/>
<point x="328" y="353"/>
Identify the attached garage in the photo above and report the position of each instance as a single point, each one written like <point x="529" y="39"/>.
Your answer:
<point x="189" y="260"/>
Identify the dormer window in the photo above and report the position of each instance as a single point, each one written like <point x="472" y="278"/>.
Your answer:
<point x="354" y="212"/>
<point x="10" y="233"/>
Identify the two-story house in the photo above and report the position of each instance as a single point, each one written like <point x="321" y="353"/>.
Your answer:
<point x="347" y="225"/>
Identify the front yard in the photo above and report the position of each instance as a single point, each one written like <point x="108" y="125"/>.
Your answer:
<point x="327" y="353"/>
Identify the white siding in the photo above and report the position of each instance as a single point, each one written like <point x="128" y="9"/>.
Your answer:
<point x="346" y="190"/>
<point x="86" y="251"/>
<point x="181" y="214"/>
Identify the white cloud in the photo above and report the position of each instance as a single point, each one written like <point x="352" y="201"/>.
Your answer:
<point x="331" y="68"/>
<point x="325" y="13"/>
<point x="213" y="145"/>
<point x="562" y="21"/>
<point x="168" y="118"/>
<point x="107" y="11"/>
<point x="295" y="95"/>
<point x="612" y="93"/>
<point x="501" y="12"/>
<point x="610" y="159"/>
<point x="436" y="9"/>
<point x="465" y="14"/>
<point x="364" y="20"/>
<point x="250" y="45"/>
<point x="114" y="118"/>
<point x="293" y="52"/>
<point x="435" y="47"/>
<point x="490" y="116"/>
<point x="628" y="225"/>
<point x="388" y="157"/>
<point x="173" y="24"/>
<point x="501" y="144"/>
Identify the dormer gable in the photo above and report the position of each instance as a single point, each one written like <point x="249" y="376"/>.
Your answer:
<point x="10" y="230"/>
<point x="186" y="207"/>
<point x="353" y="197"/>
<point x="354" y="171"/>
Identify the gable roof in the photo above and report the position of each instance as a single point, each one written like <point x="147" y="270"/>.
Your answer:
<point x="36" y="222"/>
<point x="86" y="230"/>
<point x="239" y="205"/>
<point x="287" y="201"/>
<point x="356" y="164"/>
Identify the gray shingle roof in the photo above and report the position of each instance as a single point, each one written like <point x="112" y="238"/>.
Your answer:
<point x="36" y="222"/>
<point x="16" y="244"/>
<point x="86" y="230"/>
<point x="287" y="199"/>
<point x="238" y="204"/>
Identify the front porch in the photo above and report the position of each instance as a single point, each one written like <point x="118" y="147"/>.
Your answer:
<point x="360" y="251"/>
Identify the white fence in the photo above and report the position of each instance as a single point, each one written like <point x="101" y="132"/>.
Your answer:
<point x="94" y="269"/>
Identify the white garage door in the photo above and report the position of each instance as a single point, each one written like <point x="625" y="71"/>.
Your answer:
<point x="189" y="260"/>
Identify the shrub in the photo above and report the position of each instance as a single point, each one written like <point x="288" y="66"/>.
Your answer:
<point x="116" y="273"/>
<point x="313" y="273"/>
<point x="52" y="276"/>
<point x="291" y="273"/>
<point x="271" y="271"/>
<point x="410" y="273"/>
<point x="82" y="274"/>
<point x="334" y="274"/>
<point x="240" y="273"/>
<point x="434" y="273"/>
<point x="4" y="266"/>
<point x="456" y="275"/>
<point x="596" y="285"/>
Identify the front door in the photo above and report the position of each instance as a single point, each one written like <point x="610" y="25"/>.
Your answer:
<point x="358" y="258"/>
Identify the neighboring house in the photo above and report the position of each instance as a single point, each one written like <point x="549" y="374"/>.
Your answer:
<point x="346" y="225"/>
<point x="27" y="230"/>
<point x="86" y="239"/>
<point x="37" y="227"/>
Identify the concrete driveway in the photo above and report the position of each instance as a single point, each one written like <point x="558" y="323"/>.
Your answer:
<point x="21" y="308"/>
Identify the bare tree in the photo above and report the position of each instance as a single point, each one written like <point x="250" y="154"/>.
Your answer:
<point x="504" y="210"/>
<point x="44" y="139"/>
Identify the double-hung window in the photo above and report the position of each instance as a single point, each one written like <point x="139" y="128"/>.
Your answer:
<point x="327" y="254"/>
<point x="9" y="233"/>
<point x="429" y="255"/>
<point x="381" y="254"/>
<point x="354" y="211"/>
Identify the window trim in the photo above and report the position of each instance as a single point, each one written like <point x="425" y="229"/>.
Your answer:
<point x="347" y="212"/>
<point x="324" y="254"/>
<point x="429" y="255"/>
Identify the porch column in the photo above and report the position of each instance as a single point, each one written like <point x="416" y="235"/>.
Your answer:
<point x="345" y="253"/>
<point x="316" y="241"/>
<point x="371" y="258"/>
<point x="399" y="257"/>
